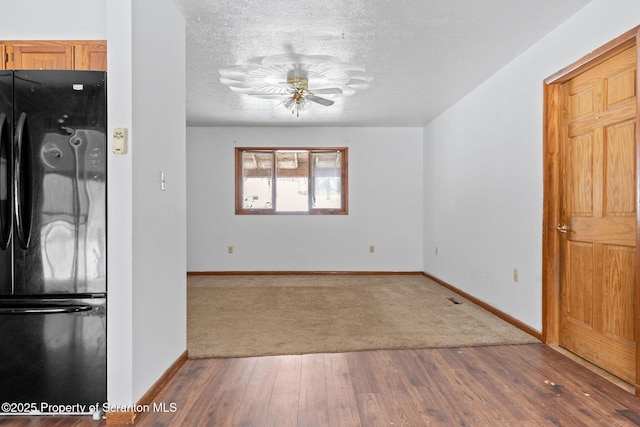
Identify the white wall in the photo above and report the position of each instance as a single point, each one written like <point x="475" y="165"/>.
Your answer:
<point x="483" y="169"/>
<point x="159" y="217"/>
<point x="53" y="20"/>
<point x="385" y="204"/>
<point x="147" y="227"/>
<point x="119" y="208"/>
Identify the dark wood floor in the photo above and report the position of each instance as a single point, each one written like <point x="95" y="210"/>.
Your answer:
<point x="524" y="385"/>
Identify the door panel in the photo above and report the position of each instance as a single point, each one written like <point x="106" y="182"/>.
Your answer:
<point x="6" y="182"/>
<point x="580" y="191"/>
<point x="579" y="289"/>
<point x="43" y="56"/>
<point x="66" y="253"/>
<point x="56" y="357"/>
<point x="618" y="291"/>
<point x="599" y="208"/>
<point x="620" y="169"/>
<point x="582" y="99"/>
<point x="620" y="87"/>
<point x="91" y="56"/>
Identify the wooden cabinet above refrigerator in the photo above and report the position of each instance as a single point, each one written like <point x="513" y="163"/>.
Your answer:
<point x="54" y="55"/>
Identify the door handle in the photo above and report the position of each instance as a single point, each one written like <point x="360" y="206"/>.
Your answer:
<point x="48" y="309"/>
<point x="21" y="182"/>
<point x="29" y="307"/>
<point x="562" y="228"/>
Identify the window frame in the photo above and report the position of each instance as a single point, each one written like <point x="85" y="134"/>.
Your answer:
<point x="344" y="184"/>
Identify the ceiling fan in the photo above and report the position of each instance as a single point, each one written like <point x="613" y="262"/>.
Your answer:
<point x="261" y="77"/>
<point x="296" y="89"/>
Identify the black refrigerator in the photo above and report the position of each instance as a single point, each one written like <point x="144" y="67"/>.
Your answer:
<point x="52" y="241"/>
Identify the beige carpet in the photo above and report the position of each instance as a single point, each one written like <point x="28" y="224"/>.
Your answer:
<point x="240" y="316"/>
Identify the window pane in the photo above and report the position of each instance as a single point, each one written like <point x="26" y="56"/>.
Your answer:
<point x="292" y="181"/>
<point x="257" y="176"/>
<point x="311" y="181"/>
<point x="327" y="185"/>
<point x="291" y="195"/>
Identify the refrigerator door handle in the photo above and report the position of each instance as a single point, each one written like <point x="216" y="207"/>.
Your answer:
<point x="22" y="185"/>
<point x="6" y="183"/>
<point x="45" y="309"/>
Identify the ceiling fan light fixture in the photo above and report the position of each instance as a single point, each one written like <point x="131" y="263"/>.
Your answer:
<point x="300" y="83"/>
<point x="264" y="77"/>
<point x="288" y="103"/>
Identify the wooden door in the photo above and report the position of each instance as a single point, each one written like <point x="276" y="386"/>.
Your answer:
<point x="598" y="215"/>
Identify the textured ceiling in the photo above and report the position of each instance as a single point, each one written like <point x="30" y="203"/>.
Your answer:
<point x="423" y="55"/>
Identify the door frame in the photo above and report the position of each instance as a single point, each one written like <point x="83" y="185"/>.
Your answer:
<point x="552" y="129"/>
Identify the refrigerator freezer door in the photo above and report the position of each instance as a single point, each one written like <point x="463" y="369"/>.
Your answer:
<point x="60" y="171"/>
<point x="53" y="351"/>
<point x="6" y="182"/>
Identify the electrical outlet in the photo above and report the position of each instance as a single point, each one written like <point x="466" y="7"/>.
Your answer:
<point x="230" y="249"/>
<point x="436" y="250"/>
<point x="515" y="275"/>
<point x="372" y="249"/>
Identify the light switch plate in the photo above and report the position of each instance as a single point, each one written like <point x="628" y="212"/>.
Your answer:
<point x="119" y="140"/>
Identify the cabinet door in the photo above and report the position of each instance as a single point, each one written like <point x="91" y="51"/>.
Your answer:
<point x="3" y="55"/>
<point x="43" y="56"/>
<point x="91" y="56"/>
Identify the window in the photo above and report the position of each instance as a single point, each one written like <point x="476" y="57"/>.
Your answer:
<point x="291" y="181"/>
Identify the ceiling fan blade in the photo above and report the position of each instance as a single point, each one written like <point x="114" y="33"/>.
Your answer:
<point x="236" y="72"/>
<point x="318" y="100"/>
<point x="358" y="85"/>
<point x="267" y="95"/>
<point x="328" y="91"/>
<point x="233" y="82"/>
